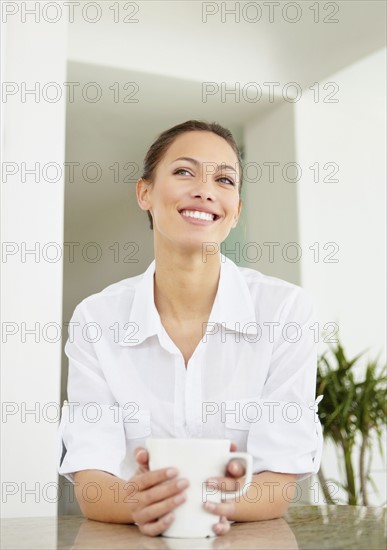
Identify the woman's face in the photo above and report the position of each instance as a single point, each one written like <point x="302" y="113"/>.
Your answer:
<point x="182" y="188"/>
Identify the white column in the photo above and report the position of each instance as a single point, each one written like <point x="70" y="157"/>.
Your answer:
<point x="33" y="138"/>
<point x="341" y="132"/>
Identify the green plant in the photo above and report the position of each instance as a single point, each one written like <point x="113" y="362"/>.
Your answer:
<point x="351" y="411"/>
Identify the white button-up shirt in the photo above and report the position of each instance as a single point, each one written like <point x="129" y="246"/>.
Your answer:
<point x="251" y="379"/>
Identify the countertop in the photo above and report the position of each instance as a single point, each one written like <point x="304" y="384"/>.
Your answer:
<point x="304" y="527"/>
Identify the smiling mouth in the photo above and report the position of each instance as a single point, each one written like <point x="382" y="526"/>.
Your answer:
<point x="197" y="215"/>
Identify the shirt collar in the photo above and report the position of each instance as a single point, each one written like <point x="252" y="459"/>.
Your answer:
<point x="232" y="308"/>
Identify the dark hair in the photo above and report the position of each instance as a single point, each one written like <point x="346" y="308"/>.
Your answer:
<point x="164" y="140"/>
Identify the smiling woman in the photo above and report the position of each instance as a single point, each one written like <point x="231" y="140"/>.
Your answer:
<point x="198" y="364"/>
<point x="160" y="147"/>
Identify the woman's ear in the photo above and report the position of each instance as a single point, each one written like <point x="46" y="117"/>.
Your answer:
<point x="142" y="192"/>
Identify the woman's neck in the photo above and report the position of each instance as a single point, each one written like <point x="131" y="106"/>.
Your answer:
<point x="185" y="285"/>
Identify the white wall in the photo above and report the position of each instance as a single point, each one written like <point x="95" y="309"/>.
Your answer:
<point x="176" y="38"/>
<point x="350" y="212"/>
<point x="271" y="208"/>
<point x="33" y="132"/>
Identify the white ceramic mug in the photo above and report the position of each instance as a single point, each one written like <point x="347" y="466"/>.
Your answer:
<point x="196" y="460"/>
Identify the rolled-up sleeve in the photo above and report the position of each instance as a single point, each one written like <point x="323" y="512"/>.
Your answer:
<point x="288" y="436"/>
<point x="91" y="434"/>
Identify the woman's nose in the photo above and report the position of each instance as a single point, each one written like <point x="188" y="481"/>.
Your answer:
<point x="203" y="186"/>
<point x="204" y="193"/>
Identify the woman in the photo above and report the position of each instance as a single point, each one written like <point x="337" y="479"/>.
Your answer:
<point x="193" y="347"/>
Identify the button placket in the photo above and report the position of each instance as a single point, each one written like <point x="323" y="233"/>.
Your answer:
<point x="193" y="395"/>
<point x="179" y="407"/>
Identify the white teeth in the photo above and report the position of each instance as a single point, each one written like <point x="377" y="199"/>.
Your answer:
<point x="198" y="215"/>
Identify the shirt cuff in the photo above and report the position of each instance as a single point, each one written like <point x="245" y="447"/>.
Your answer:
<point x="90" y="438"/>
<point x="289" y="440"/>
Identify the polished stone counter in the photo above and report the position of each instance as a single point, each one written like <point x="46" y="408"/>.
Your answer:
<point x="304" y="527"/>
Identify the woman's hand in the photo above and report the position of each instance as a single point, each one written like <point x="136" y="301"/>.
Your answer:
<point x="234" y="471"/>
<point x="220" y="528"/>
<point x="156" y="495"/>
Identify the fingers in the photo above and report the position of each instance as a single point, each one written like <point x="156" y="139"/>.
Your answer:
<point x="230" y="482"/>
<point x="222" y="484"/>
<point x="141" y="454"/>
<point x="235" y="468"/>
<point x="142" y="457"/>
<point x="163" y="491"/>
<point x="151" y="478"/>
<point x="160" y="499"/>
<point x="220" y="508"/>
<point x="157" y="527"/>
<point x="160" y="509"/>
<point x="222" y="527"/>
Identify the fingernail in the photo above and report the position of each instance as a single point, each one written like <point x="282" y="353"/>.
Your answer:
<point x="236" y="467"/>
<point x="179" y="498"/>
<point x="182" y="484"/>
<point x="168" y="518"/>
<point x="139" y="453"/>
<point x="210" y="505"/>
<point x="171" y="472"/>
<point x="218" y="528"/>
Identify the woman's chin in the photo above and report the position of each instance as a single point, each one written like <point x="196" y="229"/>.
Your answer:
<point x="198" y="243"/>
<point x="202" y="241"/>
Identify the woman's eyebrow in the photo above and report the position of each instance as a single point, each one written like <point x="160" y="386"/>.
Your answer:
<point x="197" y="163"/>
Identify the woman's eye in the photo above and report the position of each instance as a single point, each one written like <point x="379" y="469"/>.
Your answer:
<point x="228" y="180"/>
<point x="181" y="170"/>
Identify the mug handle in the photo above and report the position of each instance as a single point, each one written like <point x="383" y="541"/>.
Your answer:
<point x="248" y="459"/>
